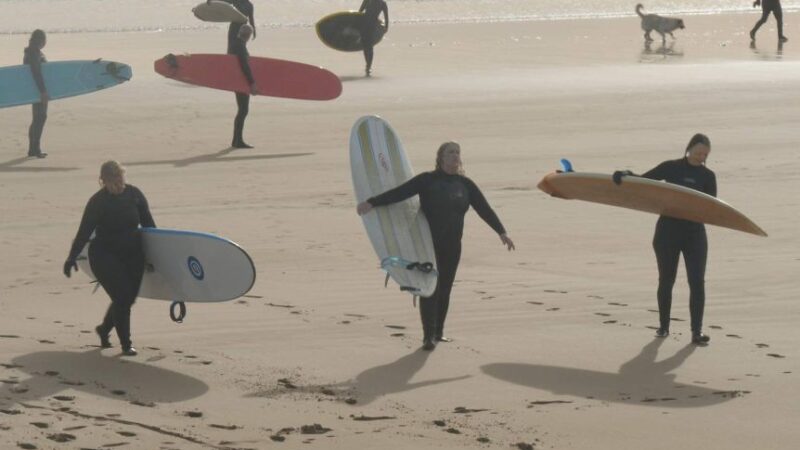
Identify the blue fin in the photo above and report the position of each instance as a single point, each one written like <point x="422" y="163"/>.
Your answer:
<point x="566" y="165"/>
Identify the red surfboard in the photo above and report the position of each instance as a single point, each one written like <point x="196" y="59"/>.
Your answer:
<point x="274" y="77"/>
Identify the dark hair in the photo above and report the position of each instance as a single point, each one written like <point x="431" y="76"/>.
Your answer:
<point x="698" y="138"/>
<point x="37" y="36"/>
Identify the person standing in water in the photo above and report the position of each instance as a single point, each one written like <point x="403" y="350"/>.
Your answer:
<point x="767" y="7"/>
<point x="369" y="27"/>
<point x="445" y="197"/>
<point x="116" y="256"/>
<point x="674" y="237"/>
<point x="34" y="58"/>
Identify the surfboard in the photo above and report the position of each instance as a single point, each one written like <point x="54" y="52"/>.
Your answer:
<point x="643" y="194"/>
<point x="217" y="11"/>
<point x="274" y="77"/>
<point x="187" y="266"/>
<point x="61" y="78"/>
<point x="399" y="233"/>
<point x="341" y="31"/>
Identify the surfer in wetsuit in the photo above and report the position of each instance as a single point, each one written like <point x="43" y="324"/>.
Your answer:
<point x="238" y="47"/>
<point x="114" y="214"/>
<point x="675" y="236"/>
<point x="445" y="197"/>
<point x="369" y="27"/>
<point x="34" y="58"/>
<point x="767" y="7"/>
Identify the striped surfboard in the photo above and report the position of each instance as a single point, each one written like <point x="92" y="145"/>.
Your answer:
<point x="399" y="233"/>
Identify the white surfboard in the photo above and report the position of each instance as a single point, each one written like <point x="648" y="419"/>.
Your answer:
<point x="217" y="11"/>
<point x="399" y="233"/>
<point x="186" y="266"/>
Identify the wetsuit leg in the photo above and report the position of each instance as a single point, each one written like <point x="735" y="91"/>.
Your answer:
<point x="120" y="278"/>
<point x="368" y="40"/>
<point x="243" y="104"/>
<point x="695" y="253"/>
<point x="447" y="261"/>
<point x="667" y="251"/>
<point x="777" y="11"/>
<point x="36" y="128"/>
<point x="766" y="8"/>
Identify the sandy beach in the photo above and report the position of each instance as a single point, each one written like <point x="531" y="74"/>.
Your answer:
<point x="553" y="343"/>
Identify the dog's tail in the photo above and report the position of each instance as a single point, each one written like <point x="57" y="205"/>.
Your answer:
<point x="639" y="9"/>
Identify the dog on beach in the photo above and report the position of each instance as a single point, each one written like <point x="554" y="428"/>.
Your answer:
<point x="659" y="24"/>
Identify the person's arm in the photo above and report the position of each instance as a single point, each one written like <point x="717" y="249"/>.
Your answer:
<point x="363" y="6"/>
<point x="711" y="189"/>
<point x="481" y="206"/>
<point x="385" y="16"/>
<point x="252" y="20"/>
<point x="91" y="216"/>
<point x="244" y="62"/>
<point x="406" y="190"/>
<point x="36" y="71"/>
<point x="658" y="172"/>
<point x="145" y="217"/>
<point x="756" y="3"/>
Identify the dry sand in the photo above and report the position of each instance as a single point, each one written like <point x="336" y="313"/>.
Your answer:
<point x="553" y="346"/>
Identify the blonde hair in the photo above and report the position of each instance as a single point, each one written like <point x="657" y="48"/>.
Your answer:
<point x="110" y="170"/>
<point x="440" y="156"/>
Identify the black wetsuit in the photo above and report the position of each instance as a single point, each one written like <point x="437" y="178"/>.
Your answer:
<point x="239" y="48"/>
<point x="115" y="253"/>
<point x="767" y="7"/>
<point x="246" y="8"/>
<point x="34" y="58"/>
<point x="676" y="236"/>
<point x="371" y="9"/>
<point x="444" y="199"/>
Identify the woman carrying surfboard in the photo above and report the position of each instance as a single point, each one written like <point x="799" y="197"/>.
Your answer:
<point x="34" y="58"/>
<point x="114" y="214"/>
<point x="674" y="237"/>
<point x="445" y="196"/>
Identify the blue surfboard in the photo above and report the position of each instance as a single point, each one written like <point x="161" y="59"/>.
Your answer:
<point x="61" y="78"/>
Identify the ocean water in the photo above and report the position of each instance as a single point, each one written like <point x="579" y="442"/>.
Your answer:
<point x="75" y="16"/>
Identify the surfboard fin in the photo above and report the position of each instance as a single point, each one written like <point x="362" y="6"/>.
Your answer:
<point x="566" y="165"/>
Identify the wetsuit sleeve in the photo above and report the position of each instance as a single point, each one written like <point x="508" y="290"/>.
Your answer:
<point x="363" y="6"/>
<point x="658" y="172"/>
<point x="481" y="206"/>
<point x="386" y="15"/>
<point x="91" y="217"/>
<point x="711" y="189"/>
<point x="406" y="190"/>
<point x="244" y="60"/>
<point x="36" y="70"/>
<point x="145" y="218"/>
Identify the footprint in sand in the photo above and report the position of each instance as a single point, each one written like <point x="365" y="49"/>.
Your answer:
<point x="64" y="398"/>
<point x="715" y="327"/>
<point x="610" y="321"/>
<point x="396" y="327"/>
<point x="675" y="319"/>
<point x="595" y="296"/>
<point x="61" y="437"/>
<point x="397" y="334"/>
<point x="535" y="303"/>
<point x="617" y="304"/>
<point x="78" y="427"/>
<point x="344" y="322"/>
<point x="602" y="314"/>
<point x="9" y="336"/>
<point x="40" y="424"/>
<point x="224" y="427"/>
<point x="126" y="433"/>
<point x="51" y="373"/>
<point x="552" y="309"/>
<point x="775" y="355"/>
<point x="145" y="404"/>
<point x="193" y="414"/>
<point x="735" y="336"/>
<point x="762" y="345"/>
<point x="118" y="392"/>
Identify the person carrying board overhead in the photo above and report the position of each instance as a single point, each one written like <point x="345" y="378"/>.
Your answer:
<point x="34" y="58"/>
<point x="116" y="256"/>
<point x="445" y="197"/>
<point x="372" y="9"/>
<point x="675" y="236"/>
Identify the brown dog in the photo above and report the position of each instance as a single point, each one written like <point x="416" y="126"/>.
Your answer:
<point x="662" y="25"/>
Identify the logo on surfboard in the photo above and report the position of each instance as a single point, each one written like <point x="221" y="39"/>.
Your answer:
<point x="195" y="268"/>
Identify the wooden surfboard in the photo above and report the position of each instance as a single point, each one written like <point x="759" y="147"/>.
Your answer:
<point x="643" y="194"/>
<point x="274" y="77"/>
<point x="399" y="233"/>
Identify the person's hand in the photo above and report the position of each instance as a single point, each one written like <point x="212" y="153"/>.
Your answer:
<point x="69" y="266"/>
<point x="617" y="176"/>
<point x="45" y="97"/>
<point x="254" y="33"/>
<point x="363" y="208"/>
<point x="507" y="242"/>
<point x="254" y="89"/>
<point x="756" y="3"/>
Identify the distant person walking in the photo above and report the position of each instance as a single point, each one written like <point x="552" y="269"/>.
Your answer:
<point x="767" y="7"/>
<point x="372" y="9"/>
<point x="34" y="58"/>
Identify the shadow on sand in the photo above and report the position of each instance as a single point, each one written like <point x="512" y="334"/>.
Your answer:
<point x="216" y="157"/>
<point x="15" y="165"/>
<point x="662" y="53"/>
<point x="96" y="374"/>
<point x="640" y="381"/>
